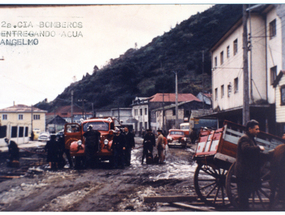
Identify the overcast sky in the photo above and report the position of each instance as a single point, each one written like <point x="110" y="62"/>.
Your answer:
<point x="68" y="41"/>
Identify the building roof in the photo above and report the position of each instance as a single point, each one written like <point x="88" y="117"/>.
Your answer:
<point x="173" y="105"/>
<point x="20" y="108"/>
<point x="170" y="97"/>
<point x="65" y="111"/>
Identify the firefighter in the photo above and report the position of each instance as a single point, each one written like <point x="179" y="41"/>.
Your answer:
<point x="118" y="148"/>
<point x="13" y="151"/>
<point x="148" y="144"/>
<point x="92" y="138"/>
<point x="130" y="143"/>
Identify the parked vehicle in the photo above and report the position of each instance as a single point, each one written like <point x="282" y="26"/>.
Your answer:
<point x="185" y="127"/>
<point x="176" y="137"/>
<point x="44" y="136"/>
<point x="73" y="133"/>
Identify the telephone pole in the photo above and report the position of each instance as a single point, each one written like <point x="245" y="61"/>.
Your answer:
<point x="176" y="100"/>
<point x="245" y="110"/>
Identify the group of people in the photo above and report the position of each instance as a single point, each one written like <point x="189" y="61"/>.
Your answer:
<point x="55" y="149"/>
<point x="149" y="143"/>
<point x="123" y="143"/>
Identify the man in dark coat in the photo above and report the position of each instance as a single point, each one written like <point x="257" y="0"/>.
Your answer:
<point x="148" y="143"/>
<point x="13" y="150"/>
<point x="61" y="147"/>
<point x="248" y="164"/>
<point x="118" y="147"/>
<point x="130" y="143"/>
<point x="52" y="149"/>
<point x="92" y="138"/>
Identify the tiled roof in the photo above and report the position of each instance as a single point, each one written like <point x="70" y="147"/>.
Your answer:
<point x="21" y="109"/>
<point x="65" y="111"/>
<point x="170" y="97"/>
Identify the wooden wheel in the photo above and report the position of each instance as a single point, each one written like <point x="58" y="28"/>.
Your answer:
<point x="210" y="185"/>
<point x="259" y="198"/>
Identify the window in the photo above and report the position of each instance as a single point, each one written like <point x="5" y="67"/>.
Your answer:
<point x="3" y="130"/>
<point x="37" y="117"/>
<point x="5" y="117"/>
<point x="141" y="112"/>
<point x="229" y="89"/>
<point x="222" y="57"/>
<point x="235" y="47"/>
<point x="145" y="111"/>
<point x="272" y="29"/>
<point x="273" y="71"/>
<point x="136" y="112"/>
<point x="145" y="125"/>
<point x="228" y="51"/>
<point x="222" y="91"/>
<point x="21" y="131"/>
<point x="216" y="61"/>
<point x="236" y="85"/>
<point x="20" y="117"/>
<point x="282" y="93"/>
<point x="173" y="112"/>
<point x="14" y="131"/>
<point x="216" y="94"/>
<point x="26" y="131"/>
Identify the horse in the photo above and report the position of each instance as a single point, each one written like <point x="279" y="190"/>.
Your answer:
<point x="277" y="175"/>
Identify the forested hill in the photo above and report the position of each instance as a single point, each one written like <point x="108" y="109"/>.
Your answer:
<point x="150" y="69"/>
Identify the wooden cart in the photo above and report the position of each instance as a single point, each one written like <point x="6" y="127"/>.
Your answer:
<point x="214" y="180"/>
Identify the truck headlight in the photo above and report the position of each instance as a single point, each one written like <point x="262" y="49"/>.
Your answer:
<point x="170" y="138"/>
<point x="106" y="142"/>
<point x="184" y="138"/>
<point x="79" y="142"/>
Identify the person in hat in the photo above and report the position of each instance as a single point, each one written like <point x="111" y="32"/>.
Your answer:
<point x="13" y="150"/>
<point x="92" y="139"/>
<point x="160" y="146"/>
<point x="148" y="144"/>
<point x="118" y="147"/>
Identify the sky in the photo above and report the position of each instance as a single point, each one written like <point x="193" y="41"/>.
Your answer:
<point x="55" y="46"/>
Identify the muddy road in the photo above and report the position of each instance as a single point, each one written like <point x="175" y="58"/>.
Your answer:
<point x="33" y="187"/>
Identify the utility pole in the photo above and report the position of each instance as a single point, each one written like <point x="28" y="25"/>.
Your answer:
<point x="176" y="100"/>
<point x="245" y="110"/>
<point x="203" y="81"/>
<point x="71" y="105"/>
<point x="32" y="117"/>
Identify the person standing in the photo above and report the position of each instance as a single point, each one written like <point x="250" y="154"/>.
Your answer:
<point x="148" y="143"/>
<point x="61" y="149"/>
<point x="13" y="151"/>
<point x="130" y="143"/>
<point x="160" y="146"/>
<point x="52" y="152"/>
<point x="92" y="138"/>
<point x="247" y="166"/>
<point x="118" y="148"/>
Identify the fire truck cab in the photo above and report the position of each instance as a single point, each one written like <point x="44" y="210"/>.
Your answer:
<point x="74" y="141"/>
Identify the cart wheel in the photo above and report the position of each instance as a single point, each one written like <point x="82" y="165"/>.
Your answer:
<point x="210" y="185"/>
<point x="259" y="199"/>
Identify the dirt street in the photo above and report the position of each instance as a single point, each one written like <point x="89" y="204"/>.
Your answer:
<point x="35" y="188"/>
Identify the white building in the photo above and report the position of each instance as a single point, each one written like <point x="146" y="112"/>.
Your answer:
<point x="265" y="26"/>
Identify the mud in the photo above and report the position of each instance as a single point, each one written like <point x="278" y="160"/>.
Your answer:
<point x="37" y="188"/>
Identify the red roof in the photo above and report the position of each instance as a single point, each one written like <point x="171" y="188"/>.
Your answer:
<point x="65" y="111"/>
<point x="170" y="97"/>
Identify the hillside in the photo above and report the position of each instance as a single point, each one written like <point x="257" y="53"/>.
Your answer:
<point x="149" y="70"/>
